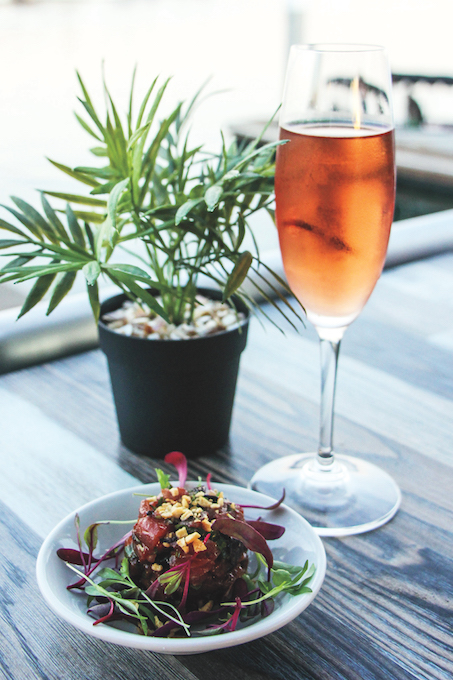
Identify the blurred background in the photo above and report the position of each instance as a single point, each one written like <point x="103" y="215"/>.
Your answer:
<point x="241" y="45"/>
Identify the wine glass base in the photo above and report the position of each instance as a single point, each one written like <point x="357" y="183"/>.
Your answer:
<point x="352" y="497"/>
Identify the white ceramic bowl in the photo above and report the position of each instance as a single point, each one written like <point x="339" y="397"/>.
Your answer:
<point x="298" y="544"/>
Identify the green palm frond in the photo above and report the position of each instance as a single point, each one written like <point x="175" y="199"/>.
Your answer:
<point x="187" y="208"/>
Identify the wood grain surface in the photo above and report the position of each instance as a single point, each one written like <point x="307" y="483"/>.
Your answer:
<point x="386" y="607"/>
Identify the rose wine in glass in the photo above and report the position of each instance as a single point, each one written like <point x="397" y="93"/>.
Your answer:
<point x="335" y="195"/>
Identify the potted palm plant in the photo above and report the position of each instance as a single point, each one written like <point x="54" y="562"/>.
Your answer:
<point x="175" y="211"/>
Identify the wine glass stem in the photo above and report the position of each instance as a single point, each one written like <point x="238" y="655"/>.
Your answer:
<point x="329" y="362"/>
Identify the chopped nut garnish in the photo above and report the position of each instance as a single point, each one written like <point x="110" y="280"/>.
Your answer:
<point x="192" y="537"/>
<point x="182" y="545"/>
<point x="186" y="515"/>
<point x="156" y="567"/>
<point x="174" y="492"/>
<point x="177" y="511"/>
<point x="215" y="506"/>
<point x="165" y="510"/>
<point x="185" y="501"/>
<point x="203" y="502"/>
<point x="165" y="544"/>
<point x="206" y="524"/>
<point x="220" y="501"/>
<point x="198" y="546"/>
<point x="181" y="532"/>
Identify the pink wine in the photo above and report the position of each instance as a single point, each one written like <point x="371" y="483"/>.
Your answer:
<point x="335" y="194"/>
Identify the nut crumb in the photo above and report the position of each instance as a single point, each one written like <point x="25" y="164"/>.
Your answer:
<point x="206" y="525"/>
<point x="192" y="537"/>
<point x="182" y="545"/>
<point x="198" y="546"/>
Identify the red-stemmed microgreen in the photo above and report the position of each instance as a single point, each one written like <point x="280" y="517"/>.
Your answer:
<point x="274" y="506"/>
<point x="242" y="531"/>
<point x="108" y="616"/>
<point x="102" y="613"/>
<point x="229" y="625"/>
<point x="72" y="556"/>
<point x="112" y="552"/>
<point x="179" y="461"/>
<point x="91" y="538"/>
<point x="185" y="591"/>
<point x="128" y="606"/>
<point x="268" y="531"/>
<point x="79" y="541"/>
<point x="174" y="577"/>
<point x="196" y="616"/>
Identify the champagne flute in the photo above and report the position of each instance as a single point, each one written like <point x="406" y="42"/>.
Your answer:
<point x="335" y="194"/>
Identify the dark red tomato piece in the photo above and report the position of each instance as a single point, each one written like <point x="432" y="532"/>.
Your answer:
<point x="167" y="493"/>
<point x="145" y="507"/>
<point x="149" y="531"/>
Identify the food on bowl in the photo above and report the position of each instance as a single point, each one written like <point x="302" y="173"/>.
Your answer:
<point x="176" y="528"/>
<point x="184" y="567"/>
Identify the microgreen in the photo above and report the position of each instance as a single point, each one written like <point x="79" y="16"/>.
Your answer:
<point x="163" y="479"/>
<point x="71" y="556"/>
<point x="122" y="599"/>
<point x="245" y="533"/>
<point x="229" y="625"/>
<point x="284" y="578"/>
<point x="273" y="506"/>
<point x="179" y="460"/>
<point x="268" y="531"/>
<point x="173" y="577"/>
<point x="126" y="605"/>
<point x="171" y="580"/>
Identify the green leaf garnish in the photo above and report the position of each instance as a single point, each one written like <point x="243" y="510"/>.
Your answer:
<point x="163" y="479"/>
<point x="284" y="578"/>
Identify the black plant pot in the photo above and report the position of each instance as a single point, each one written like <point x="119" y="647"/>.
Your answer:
<point x="173" y="395"/>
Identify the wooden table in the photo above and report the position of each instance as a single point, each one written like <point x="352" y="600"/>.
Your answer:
<point x="386" y="607"/>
